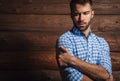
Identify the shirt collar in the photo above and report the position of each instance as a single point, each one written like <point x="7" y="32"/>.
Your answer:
<point x="76" y="31"/>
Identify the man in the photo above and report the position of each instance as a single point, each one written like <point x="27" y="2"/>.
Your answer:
<point x="81" y="55"/>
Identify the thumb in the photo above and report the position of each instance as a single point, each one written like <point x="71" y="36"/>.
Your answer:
<point x="64" y="49"/>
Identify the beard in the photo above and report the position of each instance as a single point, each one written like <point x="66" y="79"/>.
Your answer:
<point x="82" y="28"/>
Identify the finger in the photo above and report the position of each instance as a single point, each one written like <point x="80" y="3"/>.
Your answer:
<point x="64" y="49"/>
<point x="62" y="63"/>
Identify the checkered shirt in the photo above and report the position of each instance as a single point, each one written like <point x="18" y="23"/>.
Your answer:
<point x="93" y="49"/>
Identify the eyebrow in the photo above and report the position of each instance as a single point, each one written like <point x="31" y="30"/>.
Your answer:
<point x="87" y="11"/>
<point x="80" y="12"/>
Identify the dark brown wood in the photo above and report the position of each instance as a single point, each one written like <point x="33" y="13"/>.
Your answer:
<point x="53" y="1"/>
<point x="28" y="60"/>
<point x="116" y="75"/>
<point x="40" y="75"/>
<point x="21" y="8"/>
<point x="11" y="41"/>
<point x="115" y="56"/>
<point x="55" y="22"/>
<point x="28" y="41"/>
<point x="115" y="61"/>
<point x="116" y="66"/>
<point x="36" y="60"/>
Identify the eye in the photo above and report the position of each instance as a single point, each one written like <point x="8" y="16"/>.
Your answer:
<point x="86" y="13"/>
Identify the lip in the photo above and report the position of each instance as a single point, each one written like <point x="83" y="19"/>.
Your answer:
<point x="82" y="24"/>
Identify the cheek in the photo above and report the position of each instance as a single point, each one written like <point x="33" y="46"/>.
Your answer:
<point x="88" y="18"/>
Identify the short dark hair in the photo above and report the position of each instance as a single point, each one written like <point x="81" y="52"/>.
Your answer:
<point x="83" y="2"/>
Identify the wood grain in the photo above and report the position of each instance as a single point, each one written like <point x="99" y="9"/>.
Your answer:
<point x="55" y="22"/>
<point x="45" y="40"/>
<point x="36" y="60"/>
<point x="40" y="75"/>
<point x="54" y="1"/>
<point x="53" y="9"/>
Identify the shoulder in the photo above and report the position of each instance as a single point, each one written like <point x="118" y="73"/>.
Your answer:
<point x="102" y="41"/>
<point x="66" y="36"/>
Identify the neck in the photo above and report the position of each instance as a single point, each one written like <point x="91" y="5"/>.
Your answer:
<point x="86" y="32"/>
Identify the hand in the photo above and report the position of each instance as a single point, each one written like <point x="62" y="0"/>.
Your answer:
<point x="65" y="58"/>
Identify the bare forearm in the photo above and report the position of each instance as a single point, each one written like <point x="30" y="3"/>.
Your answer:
<point x="92" y="70"/>
<point x="86" y="78"/>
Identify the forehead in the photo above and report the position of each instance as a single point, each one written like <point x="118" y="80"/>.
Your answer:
<point x="82" y="8"/>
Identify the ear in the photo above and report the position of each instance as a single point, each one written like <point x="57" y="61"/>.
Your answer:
<point x="92" y="13"/>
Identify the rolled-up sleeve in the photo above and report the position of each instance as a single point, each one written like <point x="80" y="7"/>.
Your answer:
<point x="104" y="57"/>
<point x="68" y="73"/>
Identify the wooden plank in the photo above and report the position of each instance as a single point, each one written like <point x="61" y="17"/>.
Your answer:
<point x="53" y="1"/>
<point x="36" y="60"/>
<point x="115" y="57"/>
<point x="39" y="75"/>
<point x="116" y="66"/>
<point x="55" y="22"/>
<point x="34" y="22"/>
<point x="27" y="60"/>
<point x="116" y="75"/>
<point x="106" y="1"/>
<point x="28" y="41"/>
<point x="30" y="75"/>
<point x="63" y="9"/>
<point x="45" y="40"/>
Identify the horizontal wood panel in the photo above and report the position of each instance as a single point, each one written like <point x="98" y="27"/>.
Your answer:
<point x="53" y="1"/>
<point x="17" y="8"/>
<point x="11" y="41"/>
<point x="55" y="22"/>
<point x="116" y="75"/>
<point x="27" y="60"/>
<point x="30" y="75"/>
<point x="28" y="41"/>
<point x="36" y="60"/>
<point x="39" y="75"/>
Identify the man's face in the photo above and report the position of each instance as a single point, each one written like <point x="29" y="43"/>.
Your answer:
<point x="82" y="16"/>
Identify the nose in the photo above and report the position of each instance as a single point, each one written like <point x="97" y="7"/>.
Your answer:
<point x="81" y="17"/>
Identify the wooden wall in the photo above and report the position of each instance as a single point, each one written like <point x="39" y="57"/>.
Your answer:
<point x="29" y="29"/>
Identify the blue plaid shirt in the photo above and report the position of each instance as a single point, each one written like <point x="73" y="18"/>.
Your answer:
<point x="93" y="49"/>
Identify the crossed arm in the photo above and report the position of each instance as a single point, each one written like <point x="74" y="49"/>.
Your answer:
<point x="91" y="71"/>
